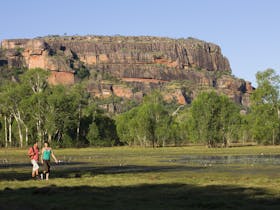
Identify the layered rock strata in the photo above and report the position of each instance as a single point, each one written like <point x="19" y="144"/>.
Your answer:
<point x="138" y="64"/>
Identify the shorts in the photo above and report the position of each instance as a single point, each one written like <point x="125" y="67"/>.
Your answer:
<point x="46" y="166"/>
<point x="35" y="165"/>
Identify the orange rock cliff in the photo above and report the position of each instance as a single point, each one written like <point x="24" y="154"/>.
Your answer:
<point x="130" y="67"/>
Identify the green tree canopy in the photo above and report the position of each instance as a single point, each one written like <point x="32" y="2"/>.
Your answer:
<point x="147" y="124"/>
<point x="213" y="117"/>
<point x="265" y="111"/>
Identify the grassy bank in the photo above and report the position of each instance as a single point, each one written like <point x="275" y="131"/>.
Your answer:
<point x="141" y="178"/>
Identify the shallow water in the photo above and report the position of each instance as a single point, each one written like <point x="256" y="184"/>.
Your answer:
<point x="229" y="159"/>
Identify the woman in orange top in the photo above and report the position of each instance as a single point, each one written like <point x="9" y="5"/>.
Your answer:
<point x="34" y="153"/>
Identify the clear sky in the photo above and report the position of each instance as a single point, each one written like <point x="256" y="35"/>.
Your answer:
<point x="248" y="31"/>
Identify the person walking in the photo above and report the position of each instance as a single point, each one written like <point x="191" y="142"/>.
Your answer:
<point x="47" y="153"/>
<point x="34" y="153"/>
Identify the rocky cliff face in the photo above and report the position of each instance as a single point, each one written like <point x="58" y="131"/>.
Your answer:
<point x="130" y="66"/>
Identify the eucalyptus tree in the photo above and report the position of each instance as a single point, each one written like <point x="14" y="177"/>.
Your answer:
<point x="13" y="98"/>
<point x="213" y="118"/>
<point x="147" y="124"/>
<point x="265" y="108"/>
<point x="230" y="120"/>
<point x="126" y="127"/>
<point x="35" y="81"/>
<point x="62" y="115"/>
<point x="6" y="114"/>
<point x="81" y="102"/>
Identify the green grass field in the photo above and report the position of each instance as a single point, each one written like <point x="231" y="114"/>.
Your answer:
<point x="142" y="178"/>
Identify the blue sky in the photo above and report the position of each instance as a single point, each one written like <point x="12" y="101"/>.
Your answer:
<point x="247" y="31"/>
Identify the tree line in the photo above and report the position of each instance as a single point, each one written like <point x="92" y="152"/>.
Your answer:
<point x="31" y="109"/>
<point x="211" y="119"/>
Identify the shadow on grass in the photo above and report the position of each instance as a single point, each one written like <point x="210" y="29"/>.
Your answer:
<point x="92" y="171"/>
<point x="25" y="165"/>
<point x="81" y="169"/>
<point x="162" y="196"/>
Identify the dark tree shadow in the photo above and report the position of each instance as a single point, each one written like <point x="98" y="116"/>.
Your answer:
<point x="99" y="170"/>
<point x="162" y="196"/>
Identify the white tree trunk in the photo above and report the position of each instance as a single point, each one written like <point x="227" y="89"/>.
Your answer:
<point x="273" y="136"/>
<point x="49" y="137"/>
<point x="26" y="135"/>
<point x="6" y="131"/>
<point x="10" y="129"/>
<point x="20" y="136"/>
<point x="17" y="116"/>
<point x="39" y="131"/>
<point x="19" y="131"/>
<point x="26" y="128"/>
<point x="79" y="123"/>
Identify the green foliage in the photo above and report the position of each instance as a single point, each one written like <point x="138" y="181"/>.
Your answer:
<point x="124" y="125"/>
<point x="145" y="125"/>
<point x="32" y="110"/>
<point x="106" y="130"/>
<point x="8" y="74"/>
<point x="265" y="109"/>
<point x="93" y="134"/>
<point x="110" y="77"/>
<point x="19" y="50"/>
<point x="82" y="72"/>
<point x="37" y="111"/>
<point x="182" y="128"/>
<point x="213" y="118"/>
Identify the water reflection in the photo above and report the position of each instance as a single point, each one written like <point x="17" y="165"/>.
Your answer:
<point x="229" y="159"/>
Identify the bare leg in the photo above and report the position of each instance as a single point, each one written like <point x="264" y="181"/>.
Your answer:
<point x="43" y="174"/>
<point x="47" y="176"/>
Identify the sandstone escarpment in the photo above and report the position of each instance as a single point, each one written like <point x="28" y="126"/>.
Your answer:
<point x="140" y="64"/>
<point x="118" y="55"/>
<point x="36" y="53"/>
